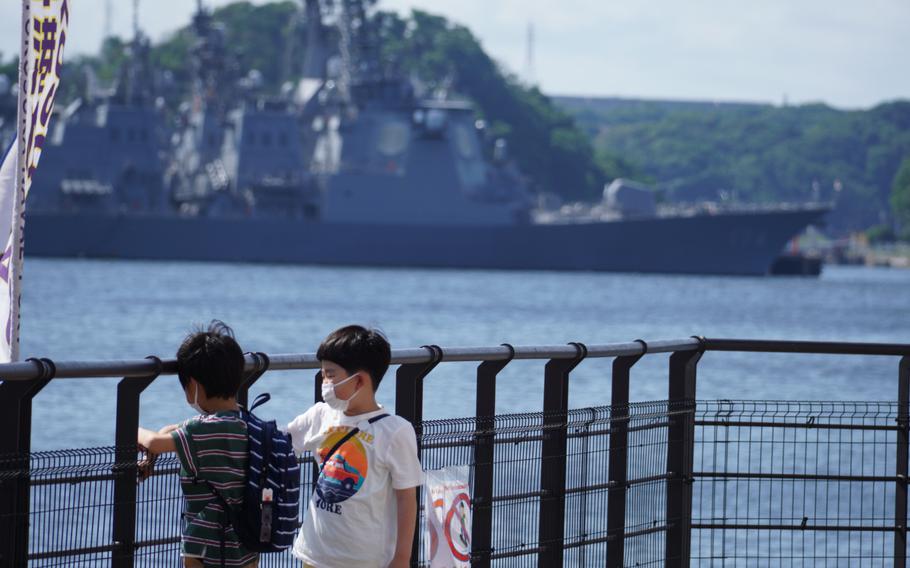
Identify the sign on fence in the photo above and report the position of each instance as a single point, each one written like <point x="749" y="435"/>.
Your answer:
<point x="448" y="514"/>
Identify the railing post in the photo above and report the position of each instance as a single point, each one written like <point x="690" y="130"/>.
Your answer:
<point x="619" y="457"/>
<point x="262" y="365"/>
<point x="903" y="453"/>
<point x="409" y="388"/>
<point x="15" y="446"/>
<point x="409" y="405"/>
<point x="125" y="468"/>
<point x="482" y="521"/>
<point x="552" y="521"/>
<point x="680" y="452"/>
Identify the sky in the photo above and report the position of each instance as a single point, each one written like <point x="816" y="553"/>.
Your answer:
<point x="844" y="53"/>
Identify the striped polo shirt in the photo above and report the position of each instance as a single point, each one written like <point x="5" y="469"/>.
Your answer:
<point x="212" y="448"/>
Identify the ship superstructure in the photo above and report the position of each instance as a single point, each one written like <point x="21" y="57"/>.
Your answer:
<point x="107" y="149"/>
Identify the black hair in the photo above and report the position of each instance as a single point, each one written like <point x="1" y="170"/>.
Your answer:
<point x="356" y="348"/>
<point x="212" y="356"/>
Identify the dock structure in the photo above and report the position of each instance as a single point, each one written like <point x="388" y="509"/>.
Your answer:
<point x="676" y="482"/>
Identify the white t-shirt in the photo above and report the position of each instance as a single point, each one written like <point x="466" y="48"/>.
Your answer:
<point x="351" y="520"/>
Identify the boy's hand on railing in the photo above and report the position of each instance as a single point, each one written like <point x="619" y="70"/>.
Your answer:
<point x="156" y="442"/>
<point x="146" y="465"/>
<point x="153" y="443"/>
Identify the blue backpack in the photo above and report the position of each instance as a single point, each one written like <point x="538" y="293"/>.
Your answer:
<point x="267" y="519"/>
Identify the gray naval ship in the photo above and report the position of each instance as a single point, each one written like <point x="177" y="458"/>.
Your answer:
<point x="352" y="165"/>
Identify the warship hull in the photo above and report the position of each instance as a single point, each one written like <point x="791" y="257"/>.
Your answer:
<point x="728" y="243"/>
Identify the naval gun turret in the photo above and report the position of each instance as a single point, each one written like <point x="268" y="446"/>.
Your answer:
<point x="383" y="154"/>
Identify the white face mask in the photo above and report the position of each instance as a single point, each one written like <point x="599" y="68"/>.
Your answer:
<point x="195" y="403"/>
<point x="328" y="394"/>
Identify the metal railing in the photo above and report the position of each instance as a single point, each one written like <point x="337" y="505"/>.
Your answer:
<point x="667" y="483"/>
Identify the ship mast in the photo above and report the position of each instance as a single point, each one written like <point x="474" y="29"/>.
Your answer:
<point x="136" y="79"/>
<point x="314" y="55"/>
<point x="357" y="46"/>
<point x="530" y="75"/>
<point x="212" y="86"/>
<point x="135" y="20"/>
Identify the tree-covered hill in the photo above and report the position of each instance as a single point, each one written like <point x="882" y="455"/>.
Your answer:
<point x="759" y="153"/>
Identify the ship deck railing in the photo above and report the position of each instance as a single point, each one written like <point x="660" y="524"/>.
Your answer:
<point x="674" y="482"/>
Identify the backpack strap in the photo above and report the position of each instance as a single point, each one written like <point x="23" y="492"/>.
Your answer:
<point x="353" y="432"/>
<point x="266" y="503"/>
<point x="265" y="500"/>
<point x="259" y="401"/>
<point x="227" y="515"/>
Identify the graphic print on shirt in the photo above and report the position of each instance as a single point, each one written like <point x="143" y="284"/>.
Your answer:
<point x="345" y="472"/>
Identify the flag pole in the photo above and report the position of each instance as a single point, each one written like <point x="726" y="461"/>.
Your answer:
<point x="18" y="227"/>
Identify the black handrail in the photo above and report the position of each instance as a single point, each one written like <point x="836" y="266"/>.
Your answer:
<point x="807" y="347"/>
<point x="291" y="361"/>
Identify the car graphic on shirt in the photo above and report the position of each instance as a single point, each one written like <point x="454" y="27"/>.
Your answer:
<point x="339" y="470"/>
<point x="339" y="480"/>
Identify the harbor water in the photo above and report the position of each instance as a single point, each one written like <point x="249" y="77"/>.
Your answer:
<point x="88" y="309"/>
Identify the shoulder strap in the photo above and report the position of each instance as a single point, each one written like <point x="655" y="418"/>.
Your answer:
<point x="259" y="400"/>
<point x="377" y="418"/>
<point x="353" y="432"/>
<point x="338" y="444"/>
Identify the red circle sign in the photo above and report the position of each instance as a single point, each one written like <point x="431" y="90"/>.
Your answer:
<point x="459" y="515"/>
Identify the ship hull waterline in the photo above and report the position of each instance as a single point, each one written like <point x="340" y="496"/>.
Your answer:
<point x="729" y="244"/>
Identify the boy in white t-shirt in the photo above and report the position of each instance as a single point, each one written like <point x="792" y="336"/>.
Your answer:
<point x="363" y="510"/>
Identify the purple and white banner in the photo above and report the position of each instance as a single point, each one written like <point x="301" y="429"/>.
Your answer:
<point x="44" y="25"/>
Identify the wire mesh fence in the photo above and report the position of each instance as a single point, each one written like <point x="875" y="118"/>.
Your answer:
<point x="72" y="508"/>
<point x="795" y="484"/>
<point x="517" y="468"/>
<point x="773" y="484"/>
<point x="72" y="491"/>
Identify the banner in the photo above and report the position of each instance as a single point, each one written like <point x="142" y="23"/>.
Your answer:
<point x="447" y="498"/>
<point x="44" y="24"/>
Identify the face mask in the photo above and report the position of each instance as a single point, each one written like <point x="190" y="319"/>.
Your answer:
<point x="195" y="403"/>
<point x="335" y="403"/>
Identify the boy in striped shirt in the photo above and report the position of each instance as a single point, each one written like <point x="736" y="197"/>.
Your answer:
<point x="212" y="448"/>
